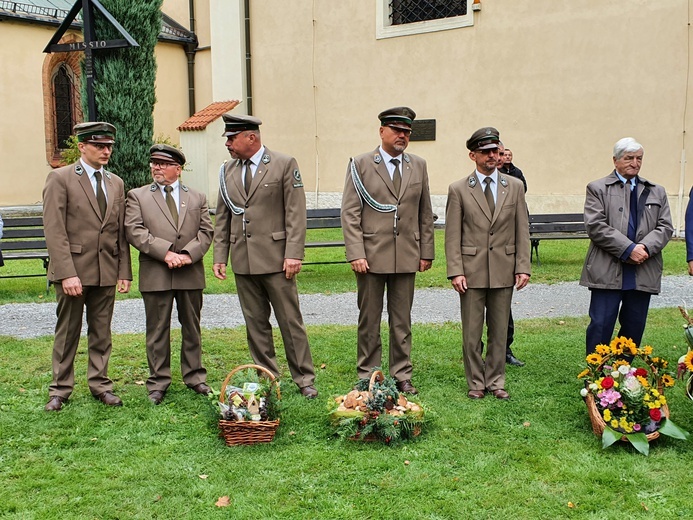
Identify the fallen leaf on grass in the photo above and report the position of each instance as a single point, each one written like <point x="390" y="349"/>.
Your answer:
<point x="561" y="322"/>
<point x="323" y="366"/>
<point x="157" y="498"/>
<point x="292" y="433"/>
<point x="140" y="382"/>
<point x="94" y="439"/>
<point x="526" y="424"/>
<point x="644" y="506"/>
<point x="406" y="463"/>
<point x="203" y="477"/>
<point x="223" y="502"/>
<point x="571" y="505"/>
<point x="22" y="390"/>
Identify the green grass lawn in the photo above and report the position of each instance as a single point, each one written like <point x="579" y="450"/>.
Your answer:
<point x="561" y="260"/>
<point x="533" y="457"/>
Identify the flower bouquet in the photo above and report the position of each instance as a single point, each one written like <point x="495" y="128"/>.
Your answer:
<point x="686" y="361"/>
<point x="627" y="402"/>
<point x="376" y="410"/>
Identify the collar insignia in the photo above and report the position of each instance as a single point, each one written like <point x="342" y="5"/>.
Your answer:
<point x="472" y="181"/>
<point x="154" y="187"/>
<point x="503" y="181"/>
<point x="266" y="158"/>
<point x="377" y="159"/>
<point x="108" y="174"/>
<point x="185" y="189"/>
<point x="406" y="158"/>
<point x="79" y="170"/>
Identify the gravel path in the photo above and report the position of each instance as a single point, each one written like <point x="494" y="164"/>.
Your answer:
<point x="430" y="306"/>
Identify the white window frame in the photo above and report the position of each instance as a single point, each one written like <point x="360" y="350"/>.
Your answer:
<point x="383" y="29"/>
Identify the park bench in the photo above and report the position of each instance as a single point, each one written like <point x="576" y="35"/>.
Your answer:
<point x="24" y="239"/>
<point x="555" y="226"/>
<point x="327" y="218"/>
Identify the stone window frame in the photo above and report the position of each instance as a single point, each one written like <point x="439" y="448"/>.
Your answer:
<point x="72" y="62"/>
<point x="383" y="28"/>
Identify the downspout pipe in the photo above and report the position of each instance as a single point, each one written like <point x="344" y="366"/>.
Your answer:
<point x="248" y="68"/>
<point x="190" y="50"/>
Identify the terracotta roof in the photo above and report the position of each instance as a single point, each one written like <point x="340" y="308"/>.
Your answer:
<point x="200" y="120"/>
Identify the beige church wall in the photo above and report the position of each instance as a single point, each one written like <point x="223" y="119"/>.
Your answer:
<point x="562" y="81"/>
<point x="171" y="107"/>
<point x="24" y="166"/>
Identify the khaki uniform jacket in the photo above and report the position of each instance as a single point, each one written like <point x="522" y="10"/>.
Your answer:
<point x="607" y="212"/>
<point x="370" y="234"/>
<point x="488" y="251"/>
<point x="152" y="231"/>
<point x="275" y="217"/>
<point x="81" y="243"/>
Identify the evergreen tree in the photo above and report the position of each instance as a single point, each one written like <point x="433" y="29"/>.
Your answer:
<point x="124" y="85"/>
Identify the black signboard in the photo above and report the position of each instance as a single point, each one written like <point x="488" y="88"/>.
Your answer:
<point x="423" y="130"/>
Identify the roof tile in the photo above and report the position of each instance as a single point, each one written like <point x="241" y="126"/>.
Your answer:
<point x="200" y="120"/>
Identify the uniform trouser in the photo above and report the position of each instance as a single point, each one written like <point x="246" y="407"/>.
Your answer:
<point x="400" y="297"/>
<point x="495" y="305"/>
<point x="256" y="293"/>
<point x="604" y="309"/>
<point x="99" y="305"/>
<point x="158" y="306"/>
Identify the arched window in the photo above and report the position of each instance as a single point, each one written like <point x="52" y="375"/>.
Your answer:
<point x="62" y="105"/>
<point x="63" y="95"/>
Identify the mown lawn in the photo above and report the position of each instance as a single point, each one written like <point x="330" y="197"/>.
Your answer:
<point x="532" y="457"/>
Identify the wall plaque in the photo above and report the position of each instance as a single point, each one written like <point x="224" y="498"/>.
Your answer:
<point x="423" y="130"/>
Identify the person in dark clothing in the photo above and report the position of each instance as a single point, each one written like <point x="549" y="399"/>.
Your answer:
<point x="505" y="165"/>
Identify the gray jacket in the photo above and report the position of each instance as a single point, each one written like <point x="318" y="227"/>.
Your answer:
<point x="607" y="211"/>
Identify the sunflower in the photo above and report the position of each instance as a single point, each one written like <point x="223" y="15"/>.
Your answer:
<point x="630" y="346"/>
<point x="689" y="360"/>
<point x="617" y="346"/>
<point x="594" y="359"/>
<point x="647" y="350"/>
<point x="667" y="380"/>
<point x="602" y="349"/>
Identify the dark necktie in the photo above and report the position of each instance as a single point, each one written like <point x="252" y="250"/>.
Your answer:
<point x="248" y="179"/>
<point x="633" y="214"/>
<point x="171" y="203"/>
<point x="100" y="195"/>
<point x="489" y="195"/>
<point x="396" y="176"/>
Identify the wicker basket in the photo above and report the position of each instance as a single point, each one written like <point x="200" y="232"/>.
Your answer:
<point x="597" y="420"/>
<point x="247" y="432"/>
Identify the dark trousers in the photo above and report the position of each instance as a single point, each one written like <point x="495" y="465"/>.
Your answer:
<point x="604" y="309"/>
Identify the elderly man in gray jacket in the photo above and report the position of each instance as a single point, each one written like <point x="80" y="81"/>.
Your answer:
<point x="628" y="221"/>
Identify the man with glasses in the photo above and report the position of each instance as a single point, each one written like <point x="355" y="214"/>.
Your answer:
<point x="261" y="223"/>
<point x="487" y="250"/>
<point x="169" y="224"/>
<point x="387" y="223"/>
<point x="83" y="214"/>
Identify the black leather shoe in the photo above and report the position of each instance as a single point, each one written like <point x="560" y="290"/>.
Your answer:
<point x="54" y="404"/>
<point x="157" y="396"/>
<point x="109" y="399"/>
<point x="309" y="392"/>
<point x="406" y="387"/>
<point x="201" y="388"/>
<point x="512" y="360"/>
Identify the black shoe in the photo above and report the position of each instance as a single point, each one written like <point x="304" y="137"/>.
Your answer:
<point x="512" y="360"/>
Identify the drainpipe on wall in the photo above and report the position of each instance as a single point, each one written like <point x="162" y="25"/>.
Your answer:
<point x="190" y="50"/>
<point x="248" y="79"/>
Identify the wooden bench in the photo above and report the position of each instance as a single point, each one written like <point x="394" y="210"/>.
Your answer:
<point x="24" y="239"/>
<point x="328" y="218"/>
<point x="555" y="226"/>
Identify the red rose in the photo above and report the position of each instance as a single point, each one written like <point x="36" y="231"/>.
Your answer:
<point x="656" y="414"/>
<point x="641" y="372"/>
<point x="607" y="382"/>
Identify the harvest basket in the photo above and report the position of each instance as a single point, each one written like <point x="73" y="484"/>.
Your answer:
<point x="596" y="418"/>
<point x="367" y="416"/>
<point x="248" y="432"/>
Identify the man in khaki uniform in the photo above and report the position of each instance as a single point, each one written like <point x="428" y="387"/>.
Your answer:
<point x="387" y="222"/>
<point x="487" y="249"/>
<point x="83" y="213"/>
<point x="261" y="222"/>
<point x="169" y="224"/>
